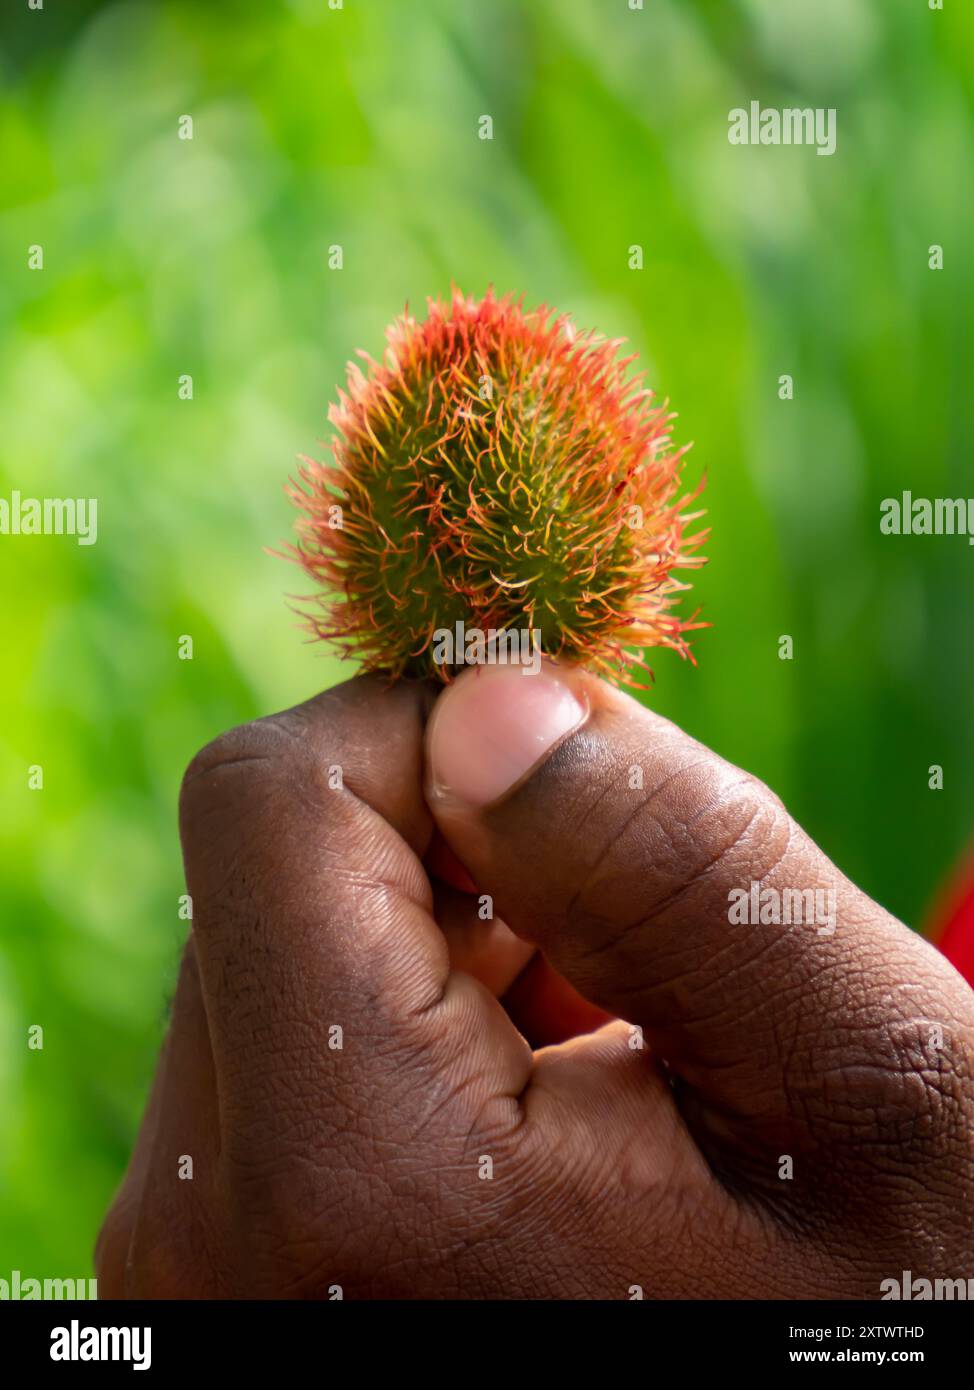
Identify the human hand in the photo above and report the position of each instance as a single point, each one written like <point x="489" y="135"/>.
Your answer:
<point x="798" y="1122"/>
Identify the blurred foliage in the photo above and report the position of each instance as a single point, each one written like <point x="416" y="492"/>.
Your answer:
<point x="358" y="126"/>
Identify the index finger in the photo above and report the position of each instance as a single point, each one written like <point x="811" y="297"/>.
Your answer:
<point x="324" y="974"/>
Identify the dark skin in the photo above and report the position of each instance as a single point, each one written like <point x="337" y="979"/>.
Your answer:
<point x="463" y="1040"/>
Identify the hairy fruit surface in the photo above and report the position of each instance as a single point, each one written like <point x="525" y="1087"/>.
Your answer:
<point x="500" y="470"/>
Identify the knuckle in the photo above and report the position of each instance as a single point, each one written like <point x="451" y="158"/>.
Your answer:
<point x="716" y="816"/>
<point x="930" y="1092"/>
<point x="888" y="1119"/>
<point x="903" y="1183"/>
<point x="903" y="1074"/>
<point x="683" y="835"/>
<point x="228" y="767"/>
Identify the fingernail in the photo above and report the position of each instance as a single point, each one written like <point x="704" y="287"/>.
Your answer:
<point x="493" y="725"/>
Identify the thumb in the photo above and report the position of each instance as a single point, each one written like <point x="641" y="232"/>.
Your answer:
<point x="674" y="890"/>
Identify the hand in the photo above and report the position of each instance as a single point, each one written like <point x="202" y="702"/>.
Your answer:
<point x="348" y="1063"/>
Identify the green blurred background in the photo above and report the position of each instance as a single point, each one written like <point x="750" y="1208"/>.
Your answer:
<point x="358" y="126"/>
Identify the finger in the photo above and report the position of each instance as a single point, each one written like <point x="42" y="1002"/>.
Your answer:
<point x="326" y="981"/>
<point x="620" y="845"/>
<point x="479" y="944"/>
<point x="546" y="1009"/>
<point x="441" y="863"/>
<point x="617" y="1149"/>
<point x="613" y="1101"/>
<point x="113" y="1245"/>
<point x="178" y="1140"/>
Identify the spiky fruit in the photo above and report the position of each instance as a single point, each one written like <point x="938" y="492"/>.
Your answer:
<point x="499" y="470"/>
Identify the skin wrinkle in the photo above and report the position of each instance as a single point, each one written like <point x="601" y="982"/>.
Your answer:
<point x="692" y="883"/>
<point x="696" y="881"/>
<point x="193" y="773"/>
<point x="617" y="840"/>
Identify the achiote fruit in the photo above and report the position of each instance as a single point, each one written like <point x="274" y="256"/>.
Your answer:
<point x="501" y="471"/>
